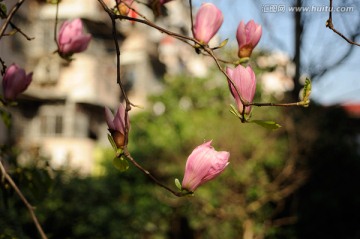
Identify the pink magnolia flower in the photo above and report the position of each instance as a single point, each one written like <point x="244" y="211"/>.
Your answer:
<point x="15" y="81"/>
<point x="123" y="6"/>
<point x="116" y="124"/>
<point x="71" y="38"/>
<point x="203" y="164"/>
<point x="248" y="36"/>
<point x="245" y="81"/>
<point x="207" y="22"/>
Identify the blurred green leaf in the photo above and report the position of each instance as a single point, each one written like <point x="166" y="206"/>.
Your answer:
<point x="111" y="140"/>
<point x="121" y="164"/>
<point x="268" y="124"/>
<point x="306" y="93"/>
<point x="6" y="117"/>
<point x="234" y="111"/>
<point x="222" y="44"/>
<point x="177" y="183"/>
<point x="3" y="11"/>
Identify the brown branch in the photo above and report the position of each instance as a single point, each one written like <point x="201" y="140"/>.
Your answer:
<point x="3" y="66"/>
<point x="191" y="18"/>
<point x="146" y="22"/>
<point x="330" y="25"/>
<point x="176" y="193"/>
<point x="118" y="73"/>
<point x="300" y="103"/>
<point x="9" y="17"/>
<point x="56" y="23"/>
<point x="175" y="35"/>
<point x="23" y="199"/>
<point x="20" y="31"/>
<point x="243" y="101"/>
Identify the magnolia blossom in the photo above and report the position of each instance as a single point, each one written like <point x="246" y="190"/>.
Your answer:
<point x="116" y="124"/>
<point x="207" y="22"/>
<point x="245" y="81"/>
<point x="71" y="38"/>
<point x="15" y="81"/>
<point x="122" y="6"/>
<point x="203" y="164"/>
<point x="248" y="36"/>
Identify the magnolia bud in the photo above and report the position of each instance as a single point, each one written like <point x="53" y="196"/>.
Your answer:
<point x="15" y="81"/>
<point x="164" y="1"/>
<point x="116" y="125"/>
<point x="245" y="81"/>
<point x="71" y="38"/>
<point x="207" y="22"/>
<point x="203" y="164"/>
<point x="248" y="36"/>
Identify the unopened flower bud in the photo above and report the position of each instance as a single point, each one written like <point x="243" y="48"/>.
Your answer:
<point x="248" y="36"/>
<point x="162" y="2"/>
<point x="207" y="22"/>
<point x="116" y="125"/>
<point x="15" y="81"/>
<point x="203" y="164"/>
<point x="71" y="38"/>
<point x="245" y="81"/>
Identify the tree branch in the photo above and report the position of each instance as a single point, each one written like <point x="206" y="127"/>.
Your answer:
<point x="176" y="193"/>
<point x="9" y="17"/>
<point x="330" y="25"/>
<point x="23" y="199"/>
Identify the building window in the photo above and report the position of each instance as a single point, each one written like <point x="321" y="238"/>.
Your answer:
<point x="51" y="120"/>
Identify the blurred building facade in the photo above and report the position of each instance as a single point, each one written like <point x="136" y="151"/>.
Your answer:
<point x="61" y="115"/>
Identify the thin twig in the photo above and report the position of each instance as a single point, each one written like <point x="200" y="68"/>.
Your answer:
<point x="56" y="23"/>
<point x="330" y="25"/>
<point x="146" y="22"/>
<point x="3" y="66"/>
<point x="191" y="18"/>
<point x="128" y="103"/>
<point x="243" y="101"/>
<point x="300" y="103"/>
<point x="4" y="15"/>
<point x="21" y="32"/>
<point x="179" y="37"/>
<point x="10" y="16"/>
<point x="23" y="199"/>
<point x="118" y="72"/>
<point x="178" y="194"/>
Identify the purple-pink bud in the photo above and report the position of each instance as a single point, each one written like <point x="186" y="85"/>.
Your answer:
<point x="245" y="81"/>
<point x="203" y="164"/>
<point x="248" y="36"/>
<point x="116" y="124"/>
<point x="164" y="1"/>
<point x="15" y="81"/>
<point x="71" y="38"/>
<point x="207" y="22"/>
